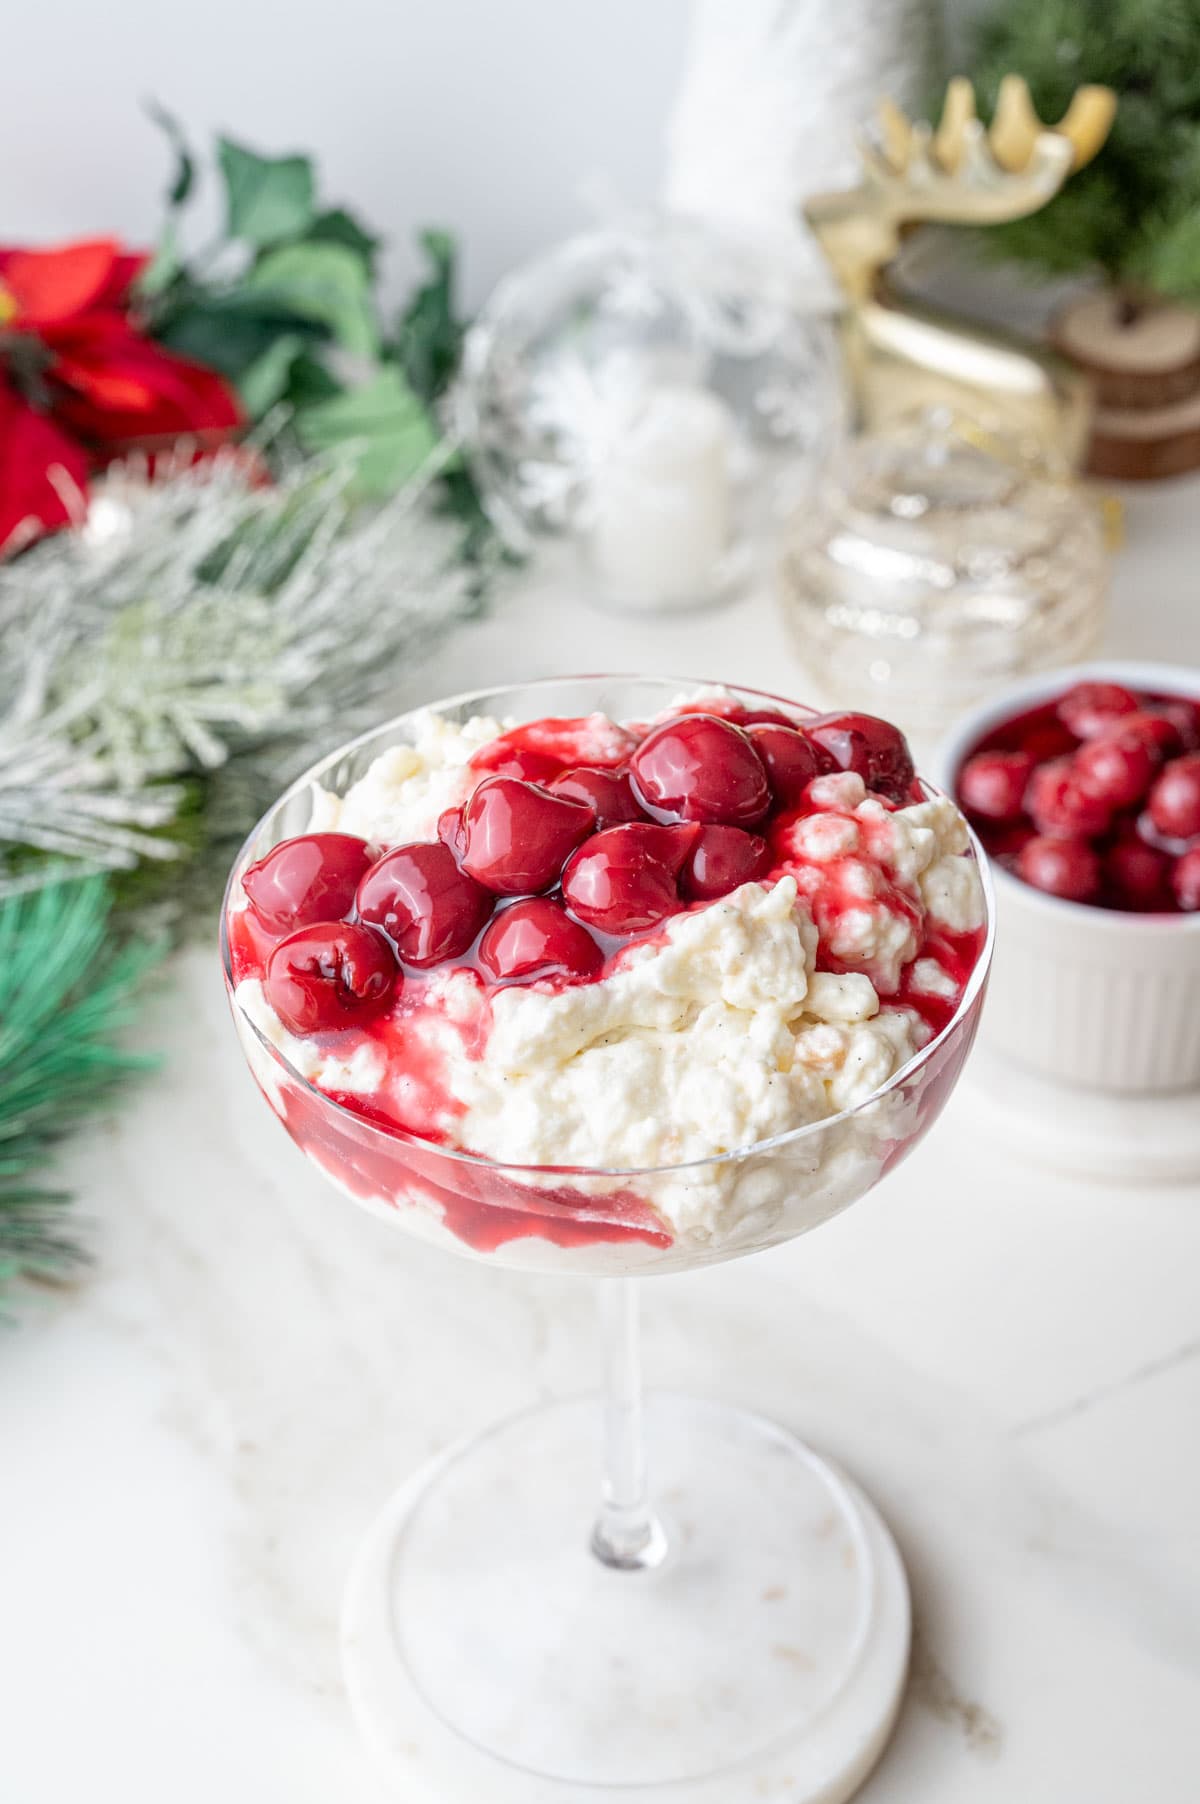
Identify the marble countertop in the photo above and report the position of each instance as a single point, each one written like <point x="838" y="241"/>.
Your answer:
<point x="193" y="1440"/>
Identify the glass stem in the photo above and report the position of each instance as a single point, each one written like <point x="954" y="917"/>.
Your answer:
<point x="627" y="1533"/>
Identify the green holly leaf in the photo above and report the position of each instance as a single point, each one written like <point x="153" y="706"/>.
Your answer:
<point x="429" y="337"/>
<point x="267" y="378"/>
<point x="230" y="332"/>
<point x="324" y="283"/>
<point x="309" y="382"/>
<point x="267" y="198"/>
<point x="337" y="226"/>
<point x="382" y="426"/>
<point x="184" y="176"/>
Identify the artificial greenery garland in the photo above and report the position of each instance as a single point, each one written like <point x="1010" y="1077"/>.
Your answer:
<point x="210" y="627"/>
<point x="68" y="987"/>
<point x="165" y="671"/>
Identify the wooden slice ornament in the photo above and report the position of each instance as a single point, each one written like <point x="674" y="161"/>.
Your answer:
<point x="1142" y="357"/>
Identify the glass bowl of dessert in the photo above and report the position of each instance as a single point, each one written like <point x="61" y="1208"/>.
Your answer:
<point x="615" y="976"/>
<point x="1084" y="788"/>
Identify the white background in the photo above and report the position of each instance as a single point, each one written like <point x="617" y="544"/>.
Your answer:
<point x="492" y="119"/>
<point x="501" y="119"/>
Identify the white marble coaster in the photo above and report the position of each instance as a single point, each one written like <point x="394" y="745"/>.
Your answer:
<point x="490" y="1659"/>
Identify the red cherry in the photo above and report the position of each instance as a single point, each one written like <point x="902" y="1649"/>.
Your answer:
<point x="1137" y="874"/>
<point x="698" y="768"/>
<point x="1006" y="842"/>
<point x="734" y="711"/>
<point x="874" y="748"/>
<point x="1174" y="804"/>
<point x="607" y="793"/>
<point x="1043" y="738"/>
<point x="1058" y="805"/>
<point x="517" y="837"/>
<point x="765" y="717"/>
<point x="516" y="761"/>
<point x="625" y="878"/>
<point x="451" y="832"/>
<point x="722" y="859"/>
<point x="992" y="785"/>
<point x="311" y="878"/>
<point x="1185" y="881"/>
<point x="328" y="975"/>
<point x="791" y="758"/>
<point x="562" y="741"/>
<point x="1062" y="867"/>
<point x="1184" y="716"/>
<point x="1156" y="730"/>
<point x="538" y="938"/>
<point x="1115" y="768"/>
<point x="1089" y="708"/>
<point x="429" y="909"/>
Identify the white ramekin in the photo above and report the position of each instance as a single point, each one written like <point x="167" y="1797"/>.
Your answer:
<point x="1086" y="995"/>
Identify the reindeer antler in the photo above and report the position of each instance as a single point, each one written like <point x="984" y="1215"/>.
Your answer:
<point x="962" y="172"/>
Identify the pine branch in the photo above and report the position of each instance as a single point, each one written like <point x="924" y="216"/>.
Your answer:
<point x="1129" y="214"/>
<point x="67" y="993"/>
<point x="173" y="662"/>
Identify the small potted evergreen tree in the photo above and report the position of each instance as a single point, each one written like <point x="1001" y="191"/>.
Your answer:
<point x="1131" y="218"/>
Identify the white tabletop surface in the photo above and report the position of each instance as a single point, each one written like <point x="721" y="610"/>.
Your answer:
<point x="193" y="1439"/>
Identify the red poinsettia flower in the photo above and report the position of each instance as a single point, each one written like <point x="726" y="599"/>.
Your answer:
<point x="79" y="385"/>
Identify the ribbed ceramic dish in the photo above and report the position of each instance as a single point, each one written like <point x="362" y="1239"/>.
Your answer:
<point x="1086" y="995"/>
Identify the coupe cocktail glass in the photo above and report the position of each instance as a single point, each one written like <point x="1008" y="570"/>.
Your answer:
<point x="654" y="1599"/>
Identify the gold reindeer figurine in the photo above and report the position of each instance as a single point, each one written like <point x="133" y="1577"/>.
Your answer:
<point x="903" y="356"/>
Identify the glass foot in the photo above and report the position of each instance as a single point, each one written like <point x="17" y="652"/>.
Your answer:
<point x="489" y="1656"/>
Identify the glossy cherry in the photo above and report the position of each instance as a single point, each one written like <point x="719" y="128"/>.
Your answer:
<point x="874" y="748"/>
<point x="1090" y="708"/>
<point x="1156" y="729"/>
<point x="699" y="768"/>
<point x="429" y="909"/>
<point x="992" y="785"/>
<point x="310" y="878"/>
<point x="1057" y="804"/>
<point x="451" y="832"/>
<point x="538" y="938"/>
<point x="1174" y="804"/>
<point x="1185" y="881"/>
<point x="1062" y="867"/>
<point x="1184" y="716"/>
<point x="517" y="836"/>
<point x="330" y="974"/>
<point x="608" y="793"/>
<point x="720" y="860"/>
<point x="562" y="741"/>
<point x="1116" y="768"/>
<point x="1043" y="737"/>
<point x="624" y="879"/>
<point x="518" y="761"/>
<point x="1137" y="875"/>
<point x="791" y="758"/>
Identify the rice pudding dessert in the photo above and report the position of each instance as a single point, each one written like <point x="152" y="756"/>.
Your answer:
<point x="616" y="954"/>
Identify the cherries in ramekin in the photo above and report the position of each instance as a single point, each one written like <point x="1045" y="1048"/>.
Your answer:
<point x="1094" y="796"/>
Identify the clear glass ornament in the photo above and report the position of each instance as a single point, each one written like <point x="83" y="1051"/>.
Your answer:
<point x="938" y="563"/>
<point x="654" y="393"/>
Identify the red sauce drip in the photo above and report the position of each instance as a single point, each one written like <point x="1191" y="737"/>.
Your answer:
<point x="250" y="945"/>
<point x="480" y="1205"/>
<point x="957" y="954"/>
